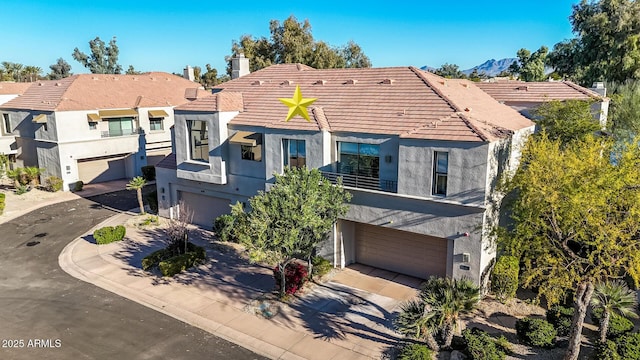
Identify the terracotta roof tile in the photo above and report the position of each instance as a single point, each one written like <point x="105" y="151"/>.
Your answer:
<point x="520" y="91"/>
<point x="104" y="91"/>
<point x="14" y="88"/>
<point x="221" y="101"/>
<point x="401" y="101"/>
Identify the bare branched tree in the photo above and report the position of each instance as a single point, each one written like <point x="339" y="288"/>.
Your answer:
<point x="178" y="230"/>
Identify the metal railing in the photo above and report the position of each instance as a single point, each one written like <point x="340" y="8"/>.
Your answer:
<point x="362" y="182"/>
<point x="107" y="134"/>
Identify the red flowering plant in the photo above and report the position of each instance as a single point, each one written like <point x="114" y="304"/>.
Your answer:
<point x="295" y="277"/>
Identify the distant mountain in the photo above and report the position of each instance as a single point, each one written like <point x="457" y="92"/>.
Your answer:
<point x="491" y="67"/>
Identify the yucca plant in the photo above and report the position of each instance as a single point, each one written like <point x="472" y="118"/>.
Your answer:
<point x="413" y="321"/>
<point x="613" y="298"/>
<point x="137" y="183"/>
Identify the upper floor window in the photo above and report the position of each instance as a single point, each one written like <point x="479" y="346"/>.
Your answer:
<point x="156" y="124"/>
<point x="359" y="159"/>
<point x="121" y="126"/>
<point x="198" y="140"/>
<point x="7" y="123"/>
<point x="295" y="154"/>
<point x="440" y="170"/>
<point x="250" y="144"/>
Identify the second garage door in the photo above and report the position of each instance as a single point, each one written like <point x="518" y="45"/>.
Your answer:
<point x="400" y="251"/>
<point x="102" y="169"/>
<point x="205" y="208"/>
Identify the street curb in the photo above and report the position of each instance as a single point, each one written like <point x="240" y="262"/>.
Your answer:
<point x="65" y="261"/>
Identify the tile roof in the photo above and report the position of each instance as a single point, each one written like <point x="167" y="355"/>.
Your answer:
<point x="520" y="91"/>
<point x="401" y="101"/>
<point x="221" y="101"/>
<point x="169" y="162"/>
<point x="13" y="88"/>
<point x="104" y="91"/>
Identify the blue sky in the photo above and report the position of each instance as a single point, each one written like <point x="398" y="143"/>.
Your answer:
<point x="167" y="35"/>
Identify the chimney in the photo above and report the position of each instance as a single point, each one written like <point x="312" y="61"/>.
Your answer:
<point x="239" y="66"/>
<point x="599" y="88"/>
<point x="187" y="73"/>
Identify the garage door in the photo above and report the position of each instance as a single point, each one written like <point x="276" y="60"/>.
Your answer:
<point x="204" y="208"/>
<point x="102" y="169"/>
<point x="400" y="251"/>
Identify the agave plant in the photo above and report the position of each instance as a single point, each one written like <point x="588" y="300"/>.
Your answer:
<point x="614" y="298"/>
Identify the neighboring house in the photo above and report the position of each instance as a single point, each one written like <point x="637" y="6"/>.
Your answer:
<point x="9" y="91"/>
<point x="420" y="154"/>
<point x="527" y="96"/>
<point x="96" y="127"/>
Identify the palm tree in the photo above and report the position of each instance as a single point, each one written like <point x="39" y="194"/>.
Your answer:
<point x="614" y="298"/>
<point x="448" y="299"/>
<point x="414" y="322"/>
<point x="32" y="174"/>
<point x="137" y="183"/>
<point x="17" y="175"/>
<point x="32" y="73"/>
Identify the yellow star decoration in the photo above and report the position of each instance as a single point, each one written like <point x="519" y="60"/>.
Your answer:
<point x="297" y="105"/>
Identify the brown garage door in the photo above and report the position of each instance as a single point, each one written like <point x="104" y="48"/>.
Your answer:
<point x="102" y="169"/>
<point x="400" y="251"/>
<point x="205" y="208"/>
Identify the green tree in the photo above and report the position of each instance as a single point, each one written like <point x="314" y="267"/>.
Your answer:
<point x="210" y="78"/>
<point x="440" y="304"/>
<point x="291" y="219"/>
<point x="614" y="298"/>
<point x="566" y="121"/>
<point x="575" y="220"/>
<point x="132" y="71"/>
<point x="31" y="73"/>
<point x="103" y="58"/>
<point x="137" y="183"/>
<point x="12" y="71"/>
<point x="450" y="71"/>
<point x="292" y="42"/>
<point x="197" y="72"/>
<point x="624" y="111"/>
<point x="606" y="44"/>
<point x="530" y="66"/>
<point x="60" y="70"/>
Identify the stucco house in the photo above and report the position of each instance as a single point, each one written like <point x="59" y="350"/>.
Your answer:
<point x="95" y="127"/>
<point x="421" y="155"/>
<point x="8" y="91"/>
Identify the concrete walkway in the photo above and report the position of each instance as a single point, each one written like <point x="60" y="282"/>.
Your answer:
<point x="348" y="317"/>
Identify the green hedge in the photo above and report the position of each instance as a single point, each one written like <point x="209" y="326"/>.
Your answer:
<point x="481" y="346"/>
<point x="2" y="202"/>
<point x="53" y="184"/>
<point x="504" y="277"/>
<point x="536" y="332"/>
<point x="78" y="185"/>
<point x="606" y="351"/>
<point x="154" y="258"/>
<point x="148" y="172"/>
<point x="223" y="227"/>
<point x="560" y="317"/>
<point x="321" y="266"/>
<point x="415" y="352"/>
<point x="629" y="346"/>
<point x="618" y="325"/>
<point x="177" y="264"/>
<point x="109" y="234"/>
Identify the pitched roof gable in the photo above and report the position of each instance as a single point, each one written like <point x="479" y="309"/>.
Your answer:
<point x="520" y="91"/>
<point x="104" y="91"/>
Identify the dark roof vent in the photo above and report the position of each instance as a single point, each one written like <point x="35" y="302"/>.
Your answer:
<point x="351" y="82"/>
<point x="387" y="81"/>
<point x="320" y="82"/>
<point x="287" y="82"/>
<point x="523" y="88"/>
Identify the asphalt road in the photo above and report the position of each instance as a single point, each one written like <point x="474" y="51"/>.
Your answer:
<point x="47" y="314"/>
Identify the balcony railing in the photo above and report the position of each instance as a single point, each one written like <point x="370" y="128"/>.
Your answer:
<point x="111" y="133"/>
<point x="362" y="182"/>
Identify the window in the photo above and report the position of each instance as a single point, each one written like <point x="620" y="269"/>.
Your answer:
<point x="440" y="169"/>
<point x="93" y="125"/>
<point x="198" y="140"/>
<point x="294" y="153"/>
<point x="251" y="152"/>
<point x="7" y="123"/>
<point x="121" y="126"/>
<point x="155" y="124"/>
<point x="359" y="159"/>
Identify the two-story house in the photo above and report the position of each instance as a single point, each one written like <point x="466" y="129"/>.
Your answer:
<point x="9" y="91"/>
<point x="96" y="127"/>
<point x="420" y="154"/>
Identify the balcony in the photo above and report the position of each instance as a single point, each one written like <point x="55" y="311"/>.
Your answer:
<point x="112" y="133"/>
<point x="362" y="182"/>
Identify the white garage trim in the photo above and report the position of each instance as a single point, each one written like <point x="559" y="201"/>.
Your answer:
<point x="400" y="251"/>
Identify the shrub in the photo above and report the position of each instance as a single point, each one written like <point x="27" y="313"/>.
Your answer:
<point x="504" y="277"/>
<point x="481" y="346"/>
<point x="618" y="325"/>
<point x="560" y="317"/>
<point x="149" y="172"/>
<point x="177" y="264"/>
<point x="52" y="184"/>
<point x="150" y="220"/>
<point x="223" y="227"/>
<point x="78" y="185"/>
<point x="154" y="258"/>
<point x="415" y="352"/>
<point x="321" y="266"/>
<point x="536" y="332"/>
<point x="629" y="346"/>
<point x="606" y="351"/>
<point x="109" y="234"/>
<point x="152" y="200"/>
<point x="2" y="204"/>
<point x="295" y="276"/>
<point x="22" y="189"/>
